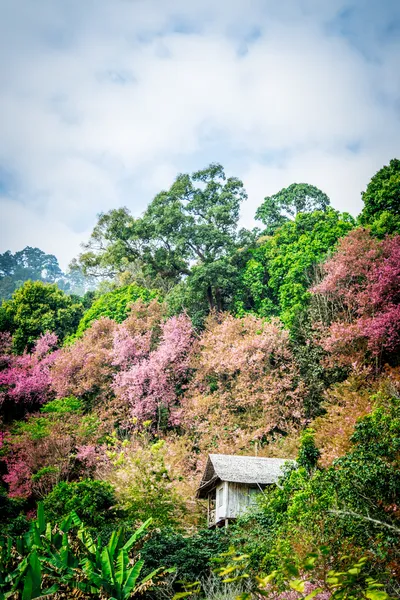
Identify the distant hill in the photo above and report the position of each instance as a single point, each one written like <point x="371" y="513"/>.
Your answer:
<point x="36" y="265"/>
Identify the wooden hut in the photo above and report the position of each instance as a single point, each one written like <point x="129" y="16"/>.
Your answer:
<point x="230" y="483"/>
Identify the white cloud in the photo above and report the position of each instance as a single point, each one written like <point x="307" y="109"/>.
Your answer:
<point x="102" y="103"/>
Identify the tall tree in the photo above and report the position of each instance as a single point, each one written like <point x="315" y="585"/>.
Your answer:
<point x="29" y="263"/>
<point x="186" y="231"/>
<point x="288" y="202"/>
<point x="35" y="265"/>
<point x="37" y="308"/>
<point x="277" y="277"/>
<point x="382" y="199"/>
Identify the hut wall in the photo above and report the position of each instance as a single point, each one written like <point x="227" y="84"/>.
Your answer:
<point x="222" y="501"/>
<point x="240" y="497"/>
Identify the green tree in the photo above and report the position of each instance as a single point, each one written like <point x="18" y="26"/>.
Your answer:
<point x="27" y="264"/>
<point x="382" y="199"/>
<point x="277" y="277"/>
<point x="115" y="305"/>
<point x="288" y="202"/>
<point x="308" y="452"/>
<point x="37" y="308"/>
<point x="188" y="230"/>
<point x="92" y="501"/>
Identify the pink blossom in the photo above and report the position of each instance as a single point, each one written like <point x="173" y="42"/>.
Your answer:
<point x="362" y="283"/>
<point x="26" y="378"/>
<point x="18" y="477"/>
<point x="128" y="349"/>
<point x="45" y="343"/>
<point x="151" y="383"/>
<point x="87" y="455"/>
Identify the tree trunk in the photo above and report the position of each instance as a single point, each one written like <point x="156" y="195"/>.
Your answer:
<point x="210" y="297"/>
<point x="218" y="300"/>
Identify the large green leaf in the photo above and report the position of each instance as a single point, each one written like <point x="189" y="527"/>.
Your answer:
<point x="33" y="578"/>
<point x="41" y="520"/>
<point x="107" y="567"/>
<point x="122" y="565"/>
<point x="131" y="579"/>
<point x="86" y="539"/>
<point x="116" y="541"/>
<point x="138" y="533"/>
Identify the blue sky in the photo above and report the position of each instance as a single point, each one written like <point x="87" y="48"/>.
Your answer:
<point x="103" y="102"/>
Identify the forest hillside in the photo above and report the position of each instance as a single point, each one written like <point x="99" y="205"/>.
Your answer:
<point x="201" y="337"/>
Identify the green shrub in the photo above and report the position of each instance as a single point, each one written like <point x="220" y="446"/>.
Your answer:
<point x="114" y="305"/>
<point x="308" y="452"/>
<point x="35" y="428"/>
<point x="63" y="406"/>
<point x="92" y="500"/>
<point x="190" y="555"/>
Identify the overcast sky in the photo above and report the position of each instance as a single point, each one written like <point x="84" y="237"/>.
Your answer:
<point x="103" y="102"/>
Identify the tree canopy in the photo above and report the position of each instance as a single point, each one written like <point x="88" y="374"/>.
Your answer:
<point x="35" y="265"/>
<point x="277" y="276"/>
<point x="288" y="202"/>
<point x="37" y="308"/>
<point x="184" y="231"/>
<point x="29" y="263"/>
<point x="382" y="198"/>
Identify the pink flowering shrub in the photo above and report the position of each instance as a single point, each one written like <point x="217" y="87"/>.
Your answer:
<point x="245" y="385"/>
<point x="87" y="454"/>
<point x="151" y="384"/>
<point x="26" y="379"/>
<point x="361" y="287"/>
<point x="19" y="476"/>
<point x="85" y="369"/>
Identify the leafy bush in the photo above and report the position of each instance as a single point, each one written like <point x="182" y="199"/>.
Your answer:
<point x="92" y="500"/>
<point x="191" y="555"/>
<point x="35" y="309"/>
<point x="308" y="452"/>
<point x="63" y="406"/>
<point x="114" y="305"/>
<point x="147" y="482"/>
<point x="64" y="559"/>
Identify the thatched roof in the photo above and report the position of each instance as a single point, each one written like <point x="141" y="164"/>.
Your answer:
<point x="240" y="469"/>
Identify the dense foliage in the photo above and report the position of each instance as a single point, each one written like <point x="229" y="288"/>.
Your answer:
<point x="37" y="308"/>
<point x="32" y="264"/>
<point x="62" y="559"/>
<point x="382" y="199"/>
<point x="114" y="305"/>
<point x="284" y="343"/>
<point x="297" y="198"/>
<point x="277" y="278"/>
